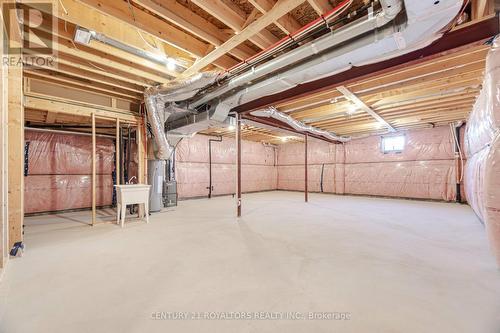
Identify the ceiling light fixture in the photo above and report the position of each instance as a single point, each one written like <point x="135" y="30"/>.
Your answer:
<point x="85" y="36"/>
<point x="171" y="64"/>
<point x="82" y="35"/>
<point x="352" y="109"/>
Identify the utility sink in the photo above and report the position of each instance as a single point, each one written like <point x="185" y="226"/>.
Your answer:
<point x="131" y="194"/>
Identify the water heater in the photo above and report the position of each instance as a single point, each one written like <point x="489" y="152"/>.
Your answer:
<point x="156" y="178"/>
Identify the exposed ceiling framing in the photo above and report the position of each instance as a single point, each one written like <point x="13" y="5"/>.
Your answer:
<point x="202" y="35"/>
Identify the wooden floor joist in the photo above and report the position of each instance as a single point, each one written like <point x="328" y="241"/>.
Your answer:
<point x="59" y="105"/>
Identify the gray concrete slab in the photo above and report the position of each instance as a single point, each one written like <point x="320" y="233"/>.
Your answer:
<point x="391" y="265"/>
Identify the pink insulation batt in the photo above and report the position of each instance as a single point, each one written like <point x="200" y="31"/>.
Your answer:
<point x="192" y="167"/>
<point x="59" y="171"/>
<point x="53" y="153"/>
<point x="425" y="169"/>
<point x="482" y="145"/>
<point x="47" y="193"/>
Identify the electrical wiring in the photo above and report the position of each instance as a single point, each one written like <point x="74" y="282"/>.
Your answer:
<point x="460" y="153"/>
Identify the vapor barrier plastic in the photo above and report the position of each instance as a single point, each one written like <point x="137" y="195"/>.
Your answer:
<point x="51" y="153"/>
<point x="420" y="145"/>
<point x="193" y="178"/>
<point x="482" y="141"/>
<point x="425" y="169"/>
<point x="59" y="171"/>
<point x="46" y="193"/>
<point x="484" y="122"/>
<point x="319" y="152"/>
<point x="328" y="178"/>
<point x="195" y="149"/>
<point x="422" y="179"/>
<point x="192" y="166"/>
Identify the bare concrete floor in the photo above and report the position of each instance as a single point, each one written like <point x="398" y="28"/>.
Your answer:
<point x="393" y="265"/>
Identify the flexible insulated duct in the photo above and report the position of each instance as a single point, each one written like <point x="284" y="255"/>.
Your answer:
<point x="390" y="9"/>
<point x="368" y="40"/>
<point x="161" y="104"/>
<point x="365" y="41"/>
<point x="271" y="112"/>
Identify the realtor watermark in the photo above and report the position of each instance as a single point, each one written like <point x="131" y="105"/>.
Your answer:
<point x="249" y="315"/>
<point x="29" y="33"/>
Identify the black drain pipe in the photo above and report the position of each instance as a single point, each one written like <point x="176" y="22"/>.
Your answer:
<point x="321" y="179"/>
<point x="210" y="186"/>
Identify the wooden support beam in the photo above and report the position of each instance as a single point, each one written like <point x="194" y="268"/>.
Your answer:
<point x="73" y="60"/>
<point x="288" y="24"/>
<point x="4" y="159"/>
<point x="320" y="6"/>
<point x="63" y="106"/>
<point x="188" y="20"/>
<point x="222" y="12"/>
<point x="118" y="149"/>
<point x="281" y="8"/>
<point x="481" y="8"/>
<point x="15" y="112"/>
<point x="361" y="105"/>
<point x="140" y="165"/>
<point x="51" y="117"/>
<point x="65" y="81"/>
<point x="73" y="71"/>
<point x="251" y="17"/>
<point x="94" y="177"/>
<point x="236" y="21"/>
<point x="144" y="142"/>
<point x="238" y="165"/>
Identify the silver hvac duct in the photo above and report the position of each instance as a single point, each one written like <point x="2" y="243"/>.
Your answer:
<point x="368" y="40"/>
<point x="271" y="112"/>
<point x="390" y="9"/>
<point x="161" y="104"/>
<point x="365" y="41"/>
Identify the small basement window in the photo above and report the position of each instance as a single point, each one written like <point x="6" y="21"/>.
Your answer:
<point x="393" y="144"/>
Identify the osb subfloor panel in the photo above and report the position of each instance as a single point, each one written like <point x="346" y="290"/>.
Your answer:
<point x="393" y="265"/>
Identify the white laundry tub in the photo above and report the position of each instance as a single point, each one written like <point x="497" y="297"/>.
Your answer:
<point x="131" y="194"/>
